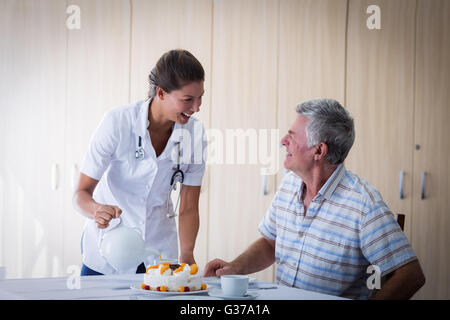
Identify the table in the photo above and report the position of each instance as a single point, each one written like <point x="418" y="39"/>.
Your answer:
<point x="117" y="287"/>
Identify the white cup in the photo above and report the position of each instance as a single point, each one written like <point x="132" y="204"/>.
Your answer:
<point x="234" y="284"/>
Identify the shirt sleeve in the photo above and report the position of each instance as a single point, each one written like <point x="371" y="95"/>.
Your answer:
<point x="193" y="175"/>
<point x="102" y="147"/>
<point x="383" y="243"/>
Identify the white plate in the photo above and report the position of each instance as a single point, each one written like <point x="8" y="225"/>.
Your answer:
<point x="137" y="287"/>
<point x="250" y="295"/>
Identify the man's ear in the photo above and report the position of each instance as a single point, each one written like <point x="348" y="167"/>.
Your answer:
<point x="321" y="151"/>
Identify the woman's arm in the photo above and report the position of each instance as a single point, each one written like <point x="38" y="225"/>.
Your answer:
<point x="188" y="222"/>
<point x="86" y="205"/>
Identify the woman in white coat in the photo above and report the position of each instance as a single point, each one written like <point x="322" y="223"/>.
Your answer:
<point x="132" y="158"/>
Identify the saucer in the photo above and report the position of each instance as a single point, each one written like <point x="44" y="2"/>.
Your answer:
<point x="219" y="294"/>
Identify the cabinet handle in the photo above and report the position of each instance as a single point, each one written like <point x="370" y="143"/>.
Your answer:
<point x="422" y="192"/>
<point x="264" y="182"/>
<point x="55" y="176"/>
<point x="402" y="180"/>
<point x="75" y="176"/>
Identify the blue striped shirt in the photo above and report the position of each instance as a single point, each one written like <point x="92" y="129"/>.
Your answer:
<point x="347" y="228"/>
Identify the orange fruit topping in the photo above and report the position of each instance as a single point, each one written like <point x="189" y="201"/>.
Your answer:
<point x="164" y="268"/>
<point x="194" y="269"/>
<point x="152" y="267"/>
<point x="179" y="269"/>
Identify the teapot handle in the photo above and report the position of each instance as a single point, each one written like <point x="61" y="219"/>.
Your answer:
<point x="103" y="233"/>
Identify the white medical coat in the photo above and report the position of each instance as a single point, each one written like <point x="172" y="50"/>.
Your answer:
<point x="139" y="187"/>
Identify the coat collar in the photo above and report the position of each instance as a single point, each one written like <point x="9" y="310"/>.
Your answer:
<point x="142" y="123"/>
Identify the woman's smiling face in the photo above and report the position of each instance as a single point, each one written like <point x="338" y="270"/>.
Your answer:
<point x="183" y="103"/>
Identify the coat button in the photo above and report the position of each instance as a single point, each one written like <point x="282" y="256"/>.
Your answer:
<point x="301" y="235"/>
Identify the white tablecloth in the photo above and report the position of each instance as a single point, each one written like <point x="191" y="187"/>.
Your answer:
<point x="117" y="287"/>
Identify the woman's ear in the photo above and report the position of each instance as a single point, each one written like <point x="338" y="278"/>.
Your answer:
<point x="160" y="93"/>
<point x="321" y="151"/>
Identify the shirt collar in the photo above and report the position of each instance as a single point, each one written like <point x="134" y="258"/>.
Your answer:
<point x="142" y="122"/>
<point x="141" y="130"/>
<point x="328" y="188"/>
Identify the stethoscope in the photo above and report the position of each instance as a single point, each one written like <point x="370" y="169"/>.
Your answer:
<point x="178" y="173"/>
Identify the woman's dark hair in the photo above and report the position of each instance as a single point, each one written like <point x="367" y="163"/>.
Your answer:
<point x="173" y="70"/>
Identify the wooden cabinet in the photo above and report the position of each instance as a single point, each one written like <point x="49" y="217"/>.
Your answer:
<point x="431" y="213"/>
<point x="244" y="77"/>
<point x="397" y="91"/>
<point x="32" y="102"/>
<point x="98" y="72"/>
<point x="380" y="96"/>
<point x="311" y="57"/>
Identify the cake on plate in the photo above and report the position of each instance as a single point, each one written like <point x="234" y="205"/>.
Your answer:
<point x="173" y="278"/>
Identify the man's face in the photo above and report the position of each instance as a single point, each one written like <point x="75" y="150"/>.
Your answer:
<point x="299" y="157"/>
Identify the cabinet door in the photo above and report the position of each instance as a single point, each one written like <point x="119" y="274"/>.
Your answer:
<point x="243" y="101"/>
<point x="160" y="26"/>
<point x="380" y="96"/>
<point x="97" y="80"/>
<point x="431" y="220"/>
<point x="311" y="57"/>
<point x="32" y="104"/>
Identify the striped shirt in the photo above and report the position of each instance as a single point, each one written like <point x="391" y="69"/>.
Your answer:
<point x="347" y="228"/>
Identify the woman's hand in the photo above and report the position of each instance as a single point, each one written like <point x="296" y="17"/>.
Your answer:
<point x="104" y="213"/>
<point x="186" y="257"/>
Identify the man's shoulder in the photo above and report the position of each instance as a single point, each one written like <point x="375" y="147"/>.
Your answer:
<point x="360" y="188"/>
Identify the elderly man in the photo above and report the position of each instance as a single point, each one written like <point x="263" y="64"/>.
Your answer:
<point x="326" y="226"/>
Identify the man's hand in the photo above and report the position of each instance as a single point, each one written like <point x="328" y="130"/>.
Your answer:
<point x="218" y="267"/>
<point x="104" y="213"/>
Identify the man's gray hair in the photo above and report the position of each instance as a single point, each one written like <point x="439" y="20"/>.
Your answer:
<point x="330" y="123"/>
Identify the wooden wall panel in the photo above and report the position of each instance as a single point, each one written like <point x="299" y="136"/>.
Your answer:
<point x="312" y="54"/>
<point x="431" y="219"/>
<point x="243" y="98"/>
<point x="311" y="57"/>
<point x="98" y="70"/>
<point x="32" y="105"/>
<point x="380" y="96"/>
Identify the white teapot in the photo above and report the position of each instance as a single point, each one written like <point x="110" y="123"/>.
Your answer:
<point x="124" y="248"/>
